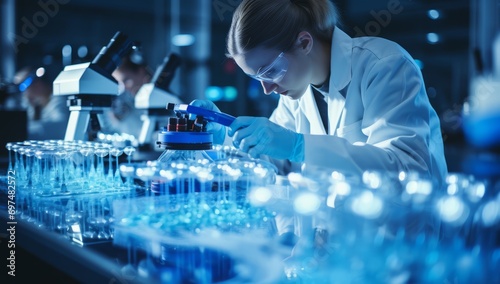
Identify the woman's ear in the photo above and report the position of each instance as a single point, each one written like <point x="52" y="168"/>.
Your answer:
<point x="304" y="42"/>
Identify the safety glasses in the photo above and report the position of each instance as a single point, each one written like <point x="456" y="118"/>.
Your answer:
<point x="274" y="72"/>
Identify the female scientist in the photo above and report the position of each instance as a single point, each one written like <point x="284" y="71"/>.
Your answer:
<point x="347" y="104"/>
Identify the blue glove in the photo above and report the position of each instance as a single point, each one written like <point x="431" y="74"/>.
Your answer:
<point x="218" y="130"/>
<point x="259" y="136"/>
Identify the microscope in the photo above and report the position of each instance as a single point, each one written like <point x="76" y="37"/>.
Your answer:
<point x="153" y="97"/>
<point x="90" y="88"/>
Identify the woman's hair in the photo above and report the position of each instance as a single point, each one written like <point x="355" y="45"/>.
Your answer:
<point x="276" y="23"/>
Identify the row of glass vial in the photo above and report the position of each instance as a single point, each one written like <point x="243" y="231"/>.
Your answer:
<point x="55" y="167"/>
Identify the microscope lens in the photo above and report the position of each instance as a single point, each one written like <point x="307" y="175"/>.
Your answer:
<point x="109" y="58"/>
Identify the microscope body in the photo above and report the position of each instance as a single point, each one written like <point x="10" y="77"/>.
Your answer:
<point x="90" y="87"/>
<point x="89" y="91"/>
<point x="85" y="78"/>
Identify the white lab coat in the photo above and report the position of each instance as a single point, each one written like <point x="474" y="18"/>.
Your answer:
<point x="379" y="115"/>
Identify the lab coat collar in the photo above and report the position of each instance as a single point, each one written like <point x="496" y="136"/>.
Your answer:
<point x="340" y="76"/>
<point x="340" y="68"/>
<point x="308" y="106"/>
<point x="336" y="102"/>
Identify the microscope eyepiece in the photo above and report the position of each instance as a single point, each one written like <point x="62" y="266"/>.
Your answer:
<point x="110" y="56"/>
<point x="165" y="72"/>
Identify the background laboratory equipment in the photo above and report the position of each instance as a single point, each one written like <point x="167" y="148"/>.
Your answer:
<point x="10" y="111"/>
<point x="91" y="88"/>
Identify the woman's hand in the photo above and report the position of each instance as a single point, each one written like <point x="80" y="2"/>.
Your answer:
<point x="259" y="136"/>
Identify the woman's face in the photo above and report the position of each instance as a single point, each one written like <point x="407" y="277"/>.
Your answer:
<point x="131" y="81"/>
<point x="295" y="81"/>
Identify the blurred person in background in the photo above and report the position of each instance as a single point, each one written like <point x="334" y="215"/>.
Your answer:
<point x="48" y="115"/>
<point x="124" y="117"/>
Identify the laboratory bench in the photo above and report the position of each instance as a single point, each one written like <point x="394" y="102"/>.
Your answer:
<point x="40" y="254"/>
<point x="51" y="256"/>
